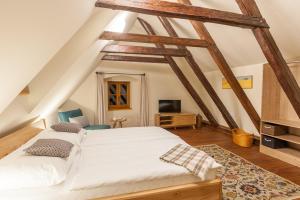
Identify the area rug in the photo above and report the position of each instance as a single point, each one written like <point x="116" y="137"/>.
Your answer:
<point x="242" y="179"/>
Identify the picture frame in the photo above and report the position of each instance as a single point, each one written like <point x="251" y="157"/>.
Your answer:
<point x="246" y="82"/>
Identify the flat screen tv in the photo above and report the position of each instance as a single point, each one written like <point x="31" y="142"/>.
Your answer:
<point x="169" y="106"/>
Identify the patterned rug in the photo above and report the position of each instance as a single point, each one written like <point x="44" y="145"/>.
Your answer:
<point x="242" y="179"/>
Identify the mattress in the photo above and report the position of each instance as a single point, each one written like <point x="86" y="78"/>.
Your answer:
<point x="116" y="161"/>
<point x="59" y="192"/>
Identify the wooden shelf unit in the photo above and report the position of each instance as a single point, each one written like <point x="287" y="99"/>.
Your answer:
<point x="284" y="122"/>
<point x="288" y="137"/>
<point x="290" y="154"/>
<point x="277" y="110"/>
<point x="173" y="120"/>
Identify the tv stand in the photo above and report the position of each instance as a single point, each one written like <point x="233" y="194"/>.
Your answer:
<point x="174" y="120"/>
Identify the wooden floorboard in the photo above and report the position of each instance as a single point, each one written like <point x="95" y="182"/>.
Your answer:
<point x="208" y="135"/>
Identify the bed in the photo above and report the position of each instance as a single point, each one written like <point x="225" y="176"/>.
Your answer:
<point x="132" y="154"/>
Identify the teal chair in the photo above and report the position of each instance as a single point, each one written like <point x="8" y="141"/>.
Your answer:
<point x="64" y="117"/>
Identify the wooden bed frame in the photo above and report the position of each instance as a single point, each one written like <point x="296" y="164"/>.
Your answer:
<point x="208" y="190"/>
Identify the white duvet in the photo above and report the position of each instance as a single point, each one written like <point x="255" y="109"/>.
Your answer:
<point x="125" y="155"/>
<point x="126" y="135"/>
<point x="115" y="161"/>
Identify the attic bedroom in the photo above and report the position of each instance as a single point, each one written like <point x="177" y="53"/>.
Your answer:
<point x="150" y="99"/>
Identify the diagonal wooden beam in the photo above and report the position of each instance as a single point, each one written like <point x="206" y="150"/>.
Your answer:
<point x="225" y="69"/>
<point x="177" y="10"/>
<point x="127" y="49"/>
<point x="210" y="90"/>
<point x="182" y="78"/>
<point x="132" y="37"/>
<point x="134" y="59"/>
<point x="274" y="56"/>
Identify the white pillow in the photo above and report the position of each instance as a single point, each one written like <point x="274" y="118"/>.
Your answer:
<point x="74" y="138"/>
<point x="81" y="120"/>
<point x="25" y="171"/>
<point x="19" y="170"/>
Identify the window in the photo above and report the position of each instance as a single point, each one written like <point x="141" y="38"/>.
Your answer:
<point x="118" y="95"/>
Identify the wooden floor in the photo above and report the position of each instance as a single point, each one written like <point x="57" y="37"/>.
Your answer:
<point x="207" y="135"/>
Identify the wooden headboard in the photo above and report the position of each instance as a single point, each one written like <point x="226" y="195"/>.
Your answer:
<point x="16" y="139"/>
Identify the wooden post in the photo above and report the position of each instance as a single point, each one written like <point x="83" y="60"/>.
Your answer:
<point x="274" y="56"/>
<point x="225" y="69"/>
<point x="182" y="77"/>
<point x="193" y="64"/>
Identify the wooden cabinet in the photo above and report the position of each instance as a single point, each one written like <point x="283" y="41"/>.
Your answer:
<point x="173" y="120"/>
<point x="279" y="120"/>
<point x="275" y="104"/>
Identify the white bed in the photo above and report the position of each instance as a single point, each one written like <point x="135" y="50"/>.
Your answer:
<point x="115" y="161"/>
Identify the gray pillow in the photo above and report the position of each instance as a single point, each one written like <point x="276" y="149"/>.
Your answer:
<point x="80" y="120"/>
<point x="51" y="148"/>
<point x="67" y="127"/>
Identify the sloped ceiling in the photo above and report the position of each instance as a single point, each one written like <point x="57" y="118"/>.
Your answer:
<point x="239" y="46"/>
<point x="32" y="31"/>
<point x="66" y="70"/>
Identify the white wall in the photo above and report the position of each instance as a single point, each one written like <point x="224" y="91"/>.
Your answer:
<point x="230" y="100"/>
<point x="86" y="94"/>
<point x="227" y="95"/>
<point x="162" y="84"/>
<point x="67" y="56"/>
<point x="31" y="33"/>
<point x="68" y="68"/>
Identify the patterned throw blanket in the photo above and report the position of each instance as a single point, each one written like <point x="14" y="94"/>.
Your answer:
<point x="197" y="162"/>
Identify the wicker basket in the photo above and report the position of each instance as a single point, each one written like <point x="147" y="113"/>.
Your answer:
<point x="242" y="138"/>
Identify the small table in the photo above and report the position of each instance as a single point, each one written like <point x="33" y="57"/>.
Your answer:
<point x="119" y="121"/>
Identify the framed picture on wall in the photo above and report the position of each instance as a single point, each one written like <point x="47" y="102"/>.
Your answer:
<point x="246" y="82"/>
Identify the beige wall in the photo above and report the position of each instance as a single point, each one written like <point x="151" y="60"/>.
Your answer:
<point x="230" y="100"/>
<point x="163" y="84"/>
<point x="86" y="95"/>
<point x="69" y="54"/>
<point x="67" y="83"/>
<point x="57" y="81"/>
<point x="32" y="32"/>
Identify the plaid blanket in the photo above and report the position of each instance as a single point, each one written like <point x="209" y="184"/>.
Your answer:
<point x="197" y="162"/>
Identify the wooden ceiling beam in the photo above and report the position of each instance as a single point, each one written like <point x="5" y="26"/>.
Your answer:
<point x="127" y="49"/>
<point x="132" y="37"/>
<point x="142" y="59"/>
<point x="182" y="77"/>
<point x="274" y="56"/>
<point x="200" y="75"/>
<point x="177" y="10"/>
<point x="225" y="69"/>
